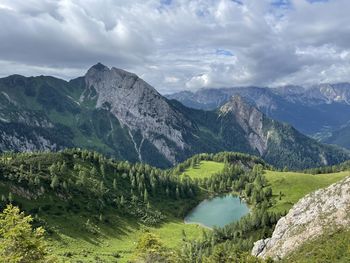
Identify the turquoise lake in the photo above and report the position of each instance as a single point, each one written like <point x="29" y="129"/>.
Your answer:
<point x="218" y="211"/>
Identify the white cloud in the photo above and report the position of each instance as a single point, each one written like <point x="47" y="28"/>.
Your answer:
<point x="180" y="44"/>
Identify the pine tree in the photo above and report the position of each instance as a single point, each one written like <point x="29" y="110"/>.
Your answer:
<point x="94" y="172"/>
<point x="19" y="242"/>
<point x="145" y="196"/>
<point x="122" y="200"/>
<point x="37" y="180"/>
<point x="53" y="169"/>
<point x="101" y="188"/>
<point x="167" y="191"/>
<point x="103" y="170"/>
<point x="115" y="184"/>
<point x="177" y="193"/>
<point x="10" y="197"/>
<point x="54" y="182"/>
<point x="63" y="168"/>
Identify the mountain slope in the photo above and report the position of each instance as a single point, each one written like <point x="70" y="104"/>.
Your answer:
<point x="117" y="113"/>
<point x="340" y="137"/>
<point x="272" y="139"/>
<point x="317" y="110"/>
<point x="95" y="208"/>
<point x="138" y="106"/>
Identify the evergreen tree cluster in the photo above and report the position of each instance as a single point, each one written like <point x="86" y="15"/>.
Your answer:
<point x="345" y="166"/>
<point x="74" y="175"/>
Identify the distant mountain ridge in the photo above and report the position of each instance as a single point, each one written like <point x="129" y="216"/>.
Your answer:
<point x="212" y="98"/>
<point x="117" y="113"/>
<point x="318" y="110"/>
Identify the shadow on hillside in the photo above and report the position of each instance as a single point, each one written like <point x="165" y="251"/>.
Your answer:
<point x="74" y="226"/>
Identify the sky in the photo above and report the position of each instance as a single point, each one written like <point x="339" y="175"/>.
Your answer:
<point x="180" y="44"/>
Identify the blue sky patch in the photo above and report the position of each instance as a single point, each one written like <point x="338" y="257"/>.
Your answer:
<point x="223" y="52"/>
<point x="165" y="2"/>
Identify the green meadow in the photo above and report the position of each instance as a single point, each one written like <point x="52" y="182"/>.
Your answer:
<point x="289" y="187"/>
<point x="204" y="169"/>
<point x="117" y="242"/>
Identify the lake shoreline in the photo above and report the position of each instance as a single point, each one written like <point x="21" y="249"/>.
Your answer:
<point x="218" y="211"/>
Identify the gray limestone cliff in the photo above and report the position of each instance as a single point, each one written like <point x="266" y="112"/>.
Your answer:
<point x="140" y="108"/>
<point x="251" y="121"/>
<point x="324" y="210"/>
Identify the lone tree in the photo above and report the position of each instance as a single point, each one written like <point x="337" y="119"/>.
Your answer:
<point x="19" y="243"/>
<point x="150" y="249"/>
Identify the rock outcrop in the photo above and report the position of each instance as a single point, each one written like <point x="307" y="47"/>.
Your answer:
<point x="324" y="210"/>
<point x="251" y="121"/>
<point x="140" y="107"/>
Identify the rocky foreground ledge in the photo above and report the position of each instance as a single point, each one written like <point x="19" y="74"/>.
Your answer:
<point x="324" y="210"/>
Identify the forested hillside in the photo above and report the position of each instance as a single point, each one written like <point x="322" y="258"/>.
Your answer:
<point x="81" y="195"/>
<point x="87" y="202"/>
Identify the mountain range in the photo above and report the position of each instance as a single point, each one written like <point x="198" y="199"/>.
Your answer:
<point x="321" y="111"/>
<point x="117" y="113"/>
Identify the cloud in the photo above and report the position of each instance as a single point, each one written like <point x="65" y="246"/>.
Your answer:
<point x="180" y="44"/>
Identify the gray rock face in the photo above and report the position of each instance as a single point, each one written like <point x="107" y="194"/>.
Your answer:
<point x="138" y="106"/>
<point x="210" y="98"/>
<point x="23" y="144"/>
<point x="251" y="121"/>
<point x="317" y="94"/>
<point x="326" y="209"/>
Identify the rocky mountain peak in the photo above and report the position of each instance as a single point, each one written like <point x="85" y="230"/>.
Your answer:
<point x="250" y="119"/>
<point x="120" y="77"/>
<point x="99" y="67"/>
<point x="236" y="103"/>
<point x="137" y="106"/>
<point x="247" y="115"/>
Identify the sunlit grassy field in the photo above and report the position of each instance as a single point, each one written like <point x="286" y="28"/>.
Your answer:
<point x="294" y="186"/>
<point x="116" y="242"/>
<point x="204" y="169"/>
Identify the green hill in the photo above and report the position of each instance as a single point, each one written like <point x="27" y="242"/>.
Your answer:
<point x="289" y="187"/>
<point x="95" y="209"/>
<point x="90" y="203"/>
<point x="203" y="169"/>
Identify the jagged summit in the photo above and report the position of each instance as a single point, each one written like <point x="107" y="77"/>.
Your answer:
<point x="100" y="70"/>
<point x="100" y="67"/>
<point x="139" y="107"/>
<point x="250" y="119"/>
<point x="236" y="103"/>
